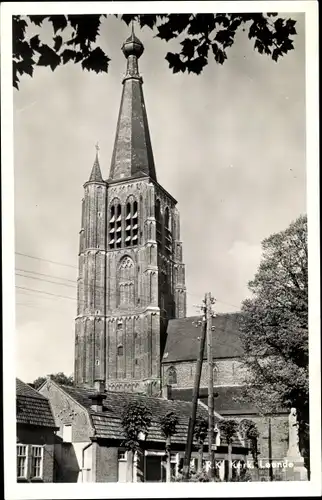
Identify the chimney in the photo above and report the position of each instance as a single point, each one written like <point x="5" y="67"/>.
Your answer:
<point x="98" y="396"/>
<point x="99" y="385"/>
<point x="166" y="391"/>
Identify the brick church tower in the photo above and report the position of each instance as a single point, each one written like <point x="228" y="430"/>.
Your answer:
<point x="131" y="275"/>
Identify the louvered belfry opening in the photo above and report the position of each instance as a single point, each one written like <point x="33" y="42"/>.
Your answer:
<point x="115" y="226"/>
<point x="158" y="222"/>
<point x="131" y="224"/>
<point x="167" y="232"/>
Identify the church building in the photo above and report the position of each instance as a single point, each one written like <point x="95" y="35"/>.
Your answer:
<point x="131" y="273"/>
<point x="132" y="333"/>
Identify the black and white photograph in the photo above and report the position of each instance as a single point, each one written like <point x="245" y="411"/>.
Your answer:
<point x="161" y="251"/>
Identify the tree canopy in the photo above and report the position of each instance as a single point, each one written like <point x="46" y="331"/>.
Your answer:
<point x="59" y="377"/>
<point x="136" y="418"/>
<point x="75" y="38"/>
<point x="274" y="328"/>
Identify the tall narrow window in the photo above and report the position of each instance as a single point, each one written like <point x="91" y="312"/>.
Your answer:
<point x="126" y="276"/>
<point x="115" y="226"/>
<point x="36" y="461"/>
<point x="167" y="231"/>
<point x="131" y="223"/>
<point x="158" y="221"/>
<point x="21" y="461"/>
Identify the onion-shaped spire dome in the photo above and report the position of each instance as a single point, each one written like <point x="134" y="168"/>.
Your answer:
<point x="132" y="46"/>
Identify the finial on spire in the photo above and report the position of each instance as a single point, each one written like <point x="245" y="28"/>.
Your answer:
<point x="132" y="45"/>
<point x="96" y="175"/>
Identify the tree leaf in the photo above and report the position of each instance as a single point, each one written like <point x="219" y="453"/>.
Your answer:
<point x="188" y="47"/>
<point x="148" y="20"/>
<point x="48" y="57"/>
<point x="57" y="43"/>
<point x="34" y="42"/>
<point x="59" y="22"/>
<point x="18" y="27"/>
<point x="25" y="66"/>
<point x="67" y="55"/>
<point x="15" y="78"/>
<point x="38" y="20"/>
<point x="196" y="65"/>
<point x="165" y="32"/>
<point x="175" y="62"/>
<point x="96" y="61"/>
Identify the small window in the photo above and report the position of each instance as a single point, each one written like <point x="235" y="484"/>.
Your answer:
<point x="36" y="461"/>
<point x="122" y="455"/>
<point x="172" y="375"/>
<point x="21" y="461"/>
<point x="67" y="433"/>
<point x="120" y="350"/>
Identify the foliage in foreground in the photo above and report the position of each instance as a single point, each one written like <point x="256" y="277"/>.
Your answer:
<point x="136" y="418"/>
<point x="75" y="38"/>
<point x="274" y="329"/>
<point x="60" y="378"/>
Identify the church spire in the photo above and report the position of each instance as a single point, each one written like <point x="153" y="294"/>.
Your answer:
<point x="96" y="175"/>
<point x="132" y="154"/>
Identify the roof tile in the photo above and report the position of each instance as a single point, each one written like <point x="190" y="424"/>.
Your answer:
<point x="32" y="407"/>
<point x="182" y="342"/>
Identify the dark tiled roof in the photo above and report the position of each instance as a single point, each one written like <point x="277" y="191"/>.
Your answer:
<point x="182" y="342"/>
<point x="227" y="402"/>
<point x="108" y="424"/>
<point x="32" y="407"/>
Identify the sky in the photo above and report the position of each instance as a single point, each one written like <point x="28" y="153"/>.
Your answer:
<point x="228" y="144"/>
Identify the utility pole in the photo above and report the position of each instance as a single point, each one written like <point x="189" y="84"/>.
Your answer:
<point x="192" y="419"/>
<point x="270" y="458"/>
<point x="209" y="314"/>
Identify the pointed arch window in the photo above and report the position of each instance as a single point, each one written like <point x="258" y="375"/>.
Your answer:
<point x="167" y="231"/>
<point x="131" y="223"/>
<point x="171" y="375"/>
<point x="126" y="277"/>
<point x="158" y="221"/>
<point x="115" y="226"/>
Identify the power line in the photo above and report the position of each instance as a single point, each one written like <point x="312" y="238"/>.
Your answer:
<point x="47" y="281"/>
<point x="44" y="274"/>
<point x="47" y="293"/>
<point x="96" y="286"/>
<point x="45" y="260"/>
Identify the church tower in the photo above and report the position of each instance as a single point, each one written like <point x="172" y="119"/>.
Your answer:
<point x="131" y="275"/>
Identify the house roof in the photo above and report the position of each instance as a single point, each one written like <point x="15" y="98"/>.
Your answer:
<point x="182" y="342"/>
<point x="108" y="424"/>
<point x="32" y="407"/>
<point x="226" y="400"/>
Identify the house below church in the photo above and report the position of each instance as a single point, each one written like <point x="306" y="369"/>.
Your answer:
<point x="36" y="430"/>
<point x="90" y="439"/>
